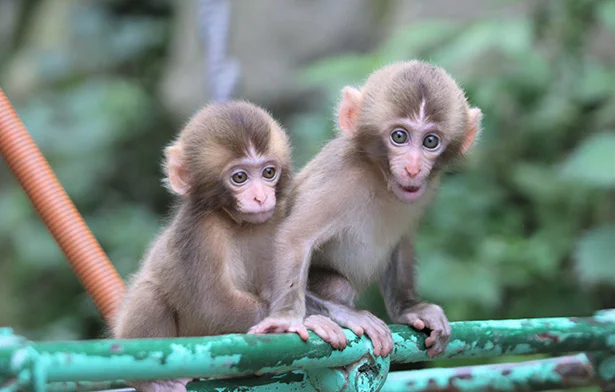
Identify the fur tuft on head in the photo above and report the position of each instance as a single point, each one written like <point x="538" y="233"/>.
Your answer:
<point x="414" y="90"/>
<point x="215" y="136"/>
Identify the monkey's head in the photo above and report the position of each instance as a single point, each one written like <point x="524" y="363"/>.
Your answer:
<point x="410" y="119"/>
<point x="231" y="157"/>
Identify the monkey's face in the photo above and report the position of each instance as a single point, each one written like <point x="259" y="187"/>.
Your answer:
<point x="411" y="119"/>
<point x="252" y="181"/>
<point x="413" y="147"/>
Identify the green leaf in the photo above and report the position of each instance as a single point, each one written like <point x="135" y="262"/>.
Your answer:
<point x="593" y="162"/>
<point x="595" y="256"/>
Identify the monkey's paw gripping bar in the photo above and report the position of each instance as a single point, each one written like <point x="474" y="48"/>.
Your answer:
<point x="228" y="362"/>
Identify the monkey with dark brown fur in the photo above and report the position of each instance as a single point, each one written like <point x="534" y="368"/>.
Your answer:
<point x="357" y="205"/>
<point x="206" y="274"/>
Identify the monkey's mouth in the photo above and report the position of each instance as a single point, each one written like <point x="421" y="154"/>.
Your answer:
<point x="407" y="193"/>
<point x="411" y="188"/>
<point x="258" y="217"/>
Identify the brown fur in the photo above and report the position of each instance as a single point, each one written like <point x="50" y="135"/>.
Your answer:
<point x="204" y="275"/>
<point x="346" y="221"/>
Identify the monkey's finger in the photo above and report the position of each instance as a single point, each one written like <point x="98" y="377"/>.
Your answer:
<point x="418" y="324"/>
<point x="376" y="339"/>
<point x="380" y="326"/>
<point x="386" y="338"/>
<point x="436" y="350"/>
<point x="438" y="343"/>
<point x="342" y="337"/>
<point x="318" y="330"/>
<point x="413" y="320"/>
<point x="299" y="330"/>
<point x="334" y="338"/>
<point x="271" y="326"/>
<point x="336" y="330"/>
<point x="255" y="330"/>
<point x="354" y="327"/>
<point x="388" y="345"/>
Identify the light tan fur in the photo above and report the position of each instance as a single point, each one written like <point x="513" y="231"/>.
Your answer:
<point x="348" y="220"/>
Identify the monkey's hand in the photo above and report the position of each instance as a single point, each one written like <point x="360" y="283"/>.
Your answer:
<point x="328" y="330"/>
<point x="280" y="324"/>
<point x="432" y="317"/>
<point x="363" y="322"/>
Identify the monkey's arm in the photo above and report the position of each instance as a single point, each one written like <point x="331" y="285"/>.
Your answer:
<point x="239" y="310"/>
<point x="397" y="284"/>
<point x="144" y="313"/>
<point x="225" y="306"/>
<point x="298" y="235"/>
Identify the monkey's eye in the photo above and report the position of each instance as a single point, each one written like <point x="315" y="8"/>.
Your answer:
<point x="399" y="136"/>
<point x="269" y="172"/>
<point x="240" y="177"/>
<point x="431" y="142"/>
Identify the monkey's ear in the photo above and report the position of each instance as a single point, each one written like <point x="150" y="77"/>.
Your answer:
<point x="349" y="111"/>
<point x="475" y="117"/>
<point x="176" y="170"/>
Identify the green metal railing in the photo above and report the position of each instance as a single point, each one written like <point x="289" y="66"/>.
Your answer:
<point x="229" y="362"/>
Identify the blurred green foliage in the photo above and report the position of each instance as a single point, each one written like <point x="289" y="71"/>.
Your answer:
<point x="525" y="227"/>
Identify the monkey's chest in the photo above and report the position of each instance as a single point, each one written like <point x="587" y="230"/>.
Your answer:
<point x="358" y="261"/>
<point x="362" y="252"/>
<point x="246" y="271"/>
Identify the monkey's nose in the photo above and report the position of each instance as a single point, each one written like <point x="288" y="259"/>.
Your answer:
<point x="260" y="199"/>
<point x="413" y="170"/>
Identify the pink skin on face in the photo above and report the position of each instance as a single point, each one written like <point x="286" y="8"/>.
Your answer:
<point x="414" y="145"/>
<point x="252" y="181"/>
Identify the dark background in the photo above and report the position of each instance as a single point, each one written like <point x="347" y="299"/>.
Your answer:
<point x="525" y="228"/>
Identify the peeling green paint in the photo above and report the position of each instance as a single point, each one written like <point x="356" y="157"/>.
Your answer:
<point x="480" y="339"/>
<point x="605" y="316"/>
<point x="562" y="372"/>
<point x="314" y="365"/>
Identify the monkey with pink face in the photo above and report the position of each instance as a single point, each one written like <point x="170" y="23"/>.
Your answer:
<point x="357" y="204"/>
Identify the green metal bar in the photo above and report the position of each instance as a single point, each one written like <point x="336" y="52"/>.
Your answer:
<point x="540" y="375"/>
<point x="234" y="355"/>
<point x="294" y="381"/>
<point x="482" y="339"/>
<point x="142" y="359"/>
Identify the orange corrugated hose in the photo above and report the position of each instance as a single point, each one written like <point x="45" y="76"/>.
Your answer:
<point x="84" y="253"/>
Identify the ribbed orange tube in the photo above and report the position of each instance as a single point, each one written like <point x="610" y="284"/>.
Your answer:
<point x="84" y="253"/>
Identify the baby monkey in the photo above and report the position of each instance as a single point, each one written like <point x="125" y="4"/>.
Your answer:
<point x="357" y="205"/>
<point x="206" y="273"/>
